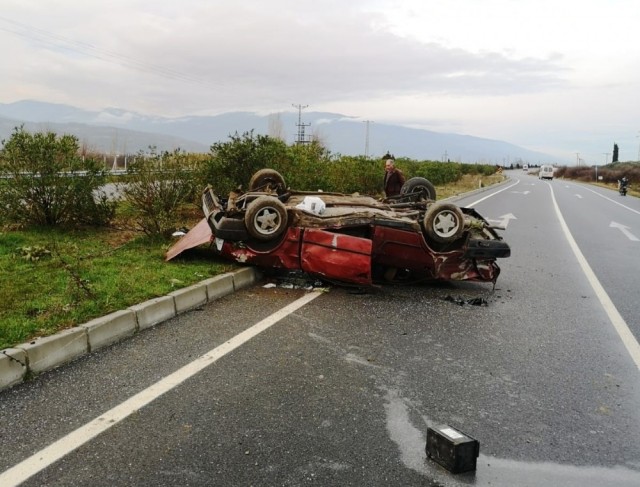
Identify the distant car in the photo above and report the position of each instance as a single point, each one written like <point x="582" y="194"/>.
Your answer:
<point x="525" y="168"/>
<point x="351" y="239"/>
<point x="546" y="172"/>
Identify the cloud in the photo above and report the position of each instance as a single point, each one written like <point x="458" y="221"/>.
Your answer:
<point x="234" y="58"/>
<point x="478" y="67"/>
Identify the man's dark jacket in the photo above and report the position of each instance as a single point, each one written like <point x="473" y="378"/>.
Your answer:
<point x="393" y="182"/>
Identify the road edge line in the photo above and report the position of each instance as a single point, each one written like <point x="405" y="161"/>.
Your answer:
<point x="42" y="459"/>
<point x="616" y="319"/>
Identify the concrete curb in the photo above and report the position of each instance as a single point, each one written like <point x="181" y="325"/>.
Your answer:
<point x="42" y="354"/>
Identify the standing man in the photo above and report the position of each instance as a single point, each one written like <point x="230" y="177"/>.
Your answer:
<point x="393" y="178"/>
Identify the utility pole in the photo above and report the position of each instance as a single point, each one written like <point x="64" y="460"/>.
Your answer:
<point x="366" y="138"/>
<point x="578" y="158"/>
<point x="606" y="161"/>
<point x="301" y="137"/>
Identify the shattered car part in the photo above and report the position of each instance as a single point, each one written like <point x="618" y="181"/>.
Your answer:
<point x="352" y="239"/>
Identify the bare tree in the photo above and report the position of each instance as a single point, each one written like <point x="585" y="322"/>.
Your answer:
<point x="276" y="127"/>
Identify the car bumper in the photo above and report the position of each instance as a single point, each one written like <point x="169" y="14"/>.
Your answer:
<point x="487" y="249"/>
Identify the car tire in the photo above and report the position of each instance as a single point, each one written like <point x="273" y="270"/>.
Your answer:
<point x="444" y="222"/>
<point x="419" y="185"/>
<point x="267" y="180"/>
<point x="266" y="218"/>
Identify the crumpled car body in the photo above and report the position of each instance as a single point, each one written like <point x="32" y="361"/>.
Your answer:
<point x="351" y="239"/>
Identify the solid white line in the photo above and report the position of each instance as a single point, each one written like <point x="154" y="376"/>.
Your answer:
<point x="616" y="319"/>
<point x="493" y="194"/>
<point x="54" y="452"/>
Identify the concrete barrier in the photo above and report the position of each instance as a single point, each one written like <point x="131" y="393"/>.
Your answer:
<point x="219" y="286"/>
<point x="43" y="354"/>
<point x="13" y="367"/>
<point x="189" y="297"/>
<point x="49" y="352"/>
<point x="245" y="277"/>
<point x="154" y="311"/>
<point x="110" y="329"/>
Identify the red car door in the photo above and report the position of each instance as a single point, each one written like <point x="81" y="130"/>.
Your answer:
<point x="336" y="256"/>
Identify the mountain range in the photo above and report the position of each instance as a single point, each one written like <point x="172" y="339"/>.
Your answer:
<point x="119" y="131"/>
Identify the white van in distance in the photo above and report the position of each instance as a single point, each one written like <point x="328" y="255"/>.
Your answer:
<point x="546" y="172"/>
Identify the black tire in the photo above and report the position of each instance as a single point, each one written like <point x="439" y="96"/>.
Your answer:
<point x="266" y="218"/>
<point x="422" y="186"/>
<point x="444" y="222"/>
<point x="267" y="180"/>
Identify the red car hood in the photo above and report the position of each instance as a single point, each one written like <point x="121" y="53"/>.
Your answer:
<point x="198" y="235"/>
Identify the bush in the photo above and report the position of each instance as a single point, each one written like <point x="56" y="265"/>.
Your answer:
<point x="307" y="167"/>
<point x="158" y="186"/>
<point x="356" y="175"/>
<point x="233" y="163"/>
<point x="609" y="174"/>
<point x="48" y="183"/>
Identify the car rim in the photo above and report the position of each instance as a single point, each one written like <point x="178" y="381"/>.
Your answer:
<point x="267" y="221"/>
<point x="445" y="224"/>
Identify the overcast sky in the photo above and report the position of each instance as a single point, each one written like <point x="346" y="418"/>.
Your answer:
<point x="558" y="76"/>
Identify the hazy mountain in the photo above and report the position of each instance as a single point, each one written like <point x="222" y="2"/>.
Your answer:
<point x="115" y="130"/>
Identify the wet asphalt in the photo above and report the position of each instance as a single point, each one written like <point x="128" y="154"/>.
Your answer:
<point x="341" y="391"/>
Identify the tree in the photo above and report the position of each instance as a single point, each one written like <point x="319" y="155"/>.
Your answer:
<point x="48" y="182"/>
<point x="233" y="163"/>
<point x="614" y="158"/>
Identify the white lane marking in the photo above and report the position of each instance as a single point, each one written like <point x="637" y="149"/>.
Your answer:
<point x="609" y="199"/>
<point x="504" y="220"/>
<point x="615" y="317"/>
<point x="493" y="194"/>
<point x="54" y="452"/>
<point x="625" y="231"/>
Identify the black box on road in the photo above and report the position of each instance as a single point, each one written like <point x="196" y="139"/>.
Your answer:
<point x="454" y="450"/>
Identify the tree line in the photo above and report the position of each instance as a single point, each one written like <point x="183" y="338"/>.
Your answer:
<point x="39" y="184"/>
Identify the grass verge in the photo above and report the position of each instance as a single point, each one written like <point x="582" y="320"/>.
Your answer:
<point x="52" y="279"/>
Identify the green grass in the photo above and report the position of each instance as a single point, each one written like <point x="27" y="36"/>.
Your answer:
<point x="52" y="279"/>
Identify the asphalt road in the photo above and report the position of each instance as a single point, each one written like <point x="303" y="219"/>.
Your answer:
<point x="340" y="391"/>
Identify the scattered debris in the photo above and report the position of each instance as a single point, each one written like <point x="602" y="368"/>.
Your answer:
<point x="295" y="280"/>
<point x="472" y="301"/>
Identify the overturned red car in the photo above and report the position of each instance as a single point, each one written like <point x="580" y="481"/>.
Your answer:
<point x="351" y="239"/>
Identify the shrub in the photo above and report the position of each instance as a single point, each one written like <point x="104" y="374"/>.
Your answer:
<point x="49" y="183"/>
<point x="158" y="186"/>
<point x="609" y="174"/>
<point x="307" y="167"/>
<point x="233" y="163"/>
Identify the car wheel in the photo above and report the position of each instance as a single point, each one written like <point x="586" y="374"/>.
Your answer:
<point x="444" y="222"/>
<point x="267" y="179"/>
<point x="266" y="218"/>
<point x="419" y="185"/>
